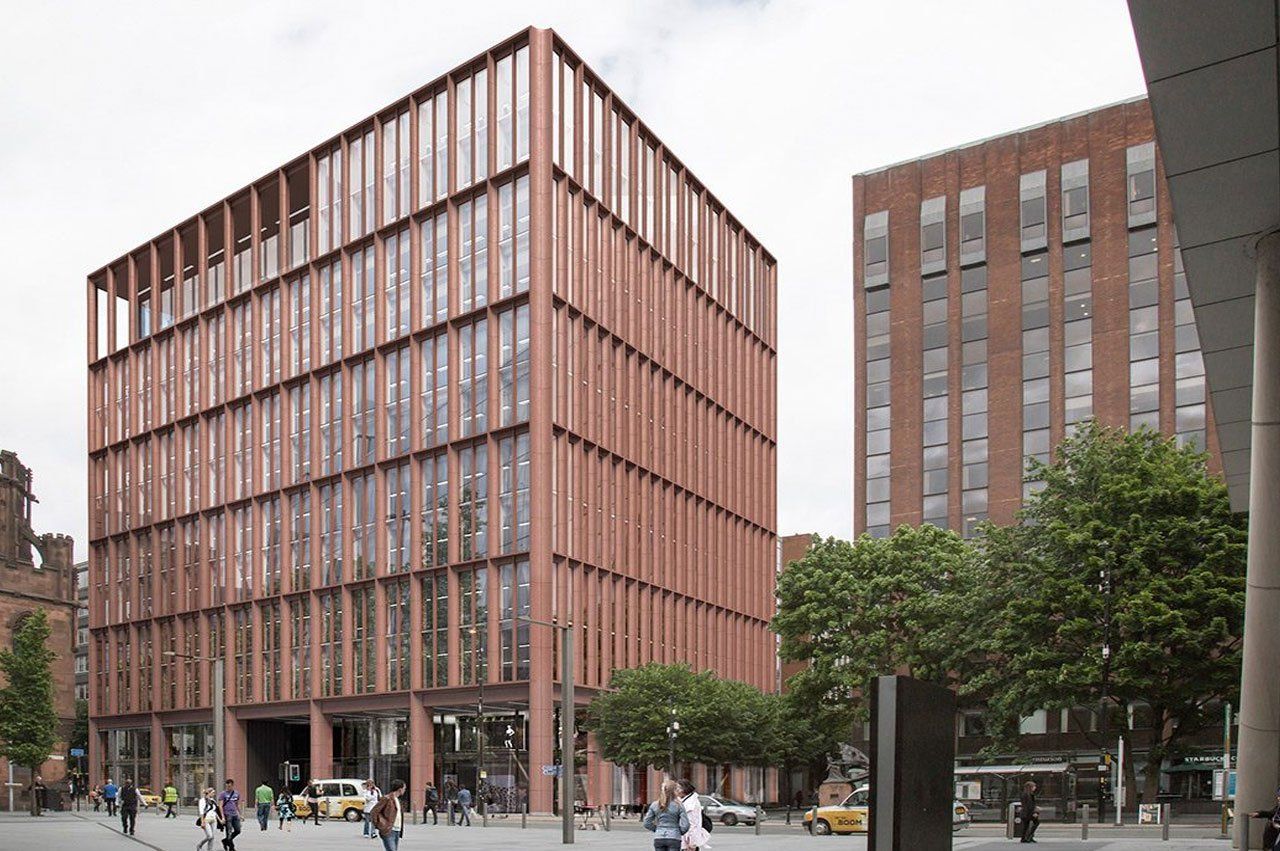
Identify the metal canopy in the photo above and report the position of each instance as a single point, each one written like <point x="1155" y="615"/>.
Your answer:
<point x="1211" y="76"/>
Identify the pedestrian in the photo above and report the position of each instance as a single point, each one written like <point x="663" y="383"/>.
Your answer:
<point x="388" y="817"/>
<point x="431" y="801"/>
<point x="39" y="792"/>
<point x="109" y="793"/>
<point x="129" y="799"/>
<point x="450" y="798"/>
<point x="1030" y="812"/>
<point x="371" y="796"/>
<point x="667" y="818"/>
<point x="464" y="806"/>
<point x="229" y="813"/>
<point x="95" y="798"/>
<point x="170" y="799"/>
<point x="207" y="819"/>
<point x="1270" y="833"/>
<point x="263" y="796"/>
<point x="699" y="833"/>
<point x="313" y="800"/>
<point x="284" y="809"/>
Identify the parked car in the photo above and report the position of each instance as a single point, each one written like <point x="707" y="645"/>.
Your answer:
<point x="148" y="798"/>
<point x="728" y="811"/>
<point x="339" y="798"/>
<point x="850" y="816"/>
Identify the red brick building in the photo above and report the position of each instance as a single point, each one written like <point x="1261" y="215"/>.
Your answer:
<point x="1013" y="287"/>
<point x="491" y="353"/>
<point x="27" y="584"/>
<point x="1004" y="291"/>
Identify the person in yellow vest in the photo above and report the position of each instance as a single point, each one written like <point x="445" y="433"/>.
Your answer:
<point x="170" y="800"/>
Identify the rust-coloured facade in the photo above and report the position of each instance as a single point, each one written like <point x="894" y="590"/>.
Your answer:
<point x="492" y="353"/>
<point x="24" y="587"/>
<point x="1011" y="288"/>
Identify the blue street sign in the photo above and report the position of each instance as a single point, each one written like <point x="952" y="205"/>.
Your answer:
<point x="77" y="751"/>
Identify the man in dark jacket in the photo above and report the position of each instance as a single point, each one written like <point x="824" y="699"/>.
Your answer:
<point x="1270" y="833"/>
<point x="1030" y="813"/>
<point x="129" y="799"/>
<point x="431" y="801"/>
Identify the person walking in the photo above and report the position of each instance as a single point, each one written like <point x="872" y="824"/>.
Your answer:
<point x="262" y="797"/>
<point x="284" y="809"/>
<point x="313" y="800"/>
<point x="431" y="801"/>
<point x="109" y="793"/>
<point x="170" y="800"/>
<point x="129" y="799"/>
<point x="229" y="813"/>
<point x="371" y="796"/>
<point x="207" y="819"/>
<point x="95" y="798"/>
<point x="666" y="818"/>
<point x="1030" y="812"/>
<point x="388" y="816"/>
<point x="699" y="833"/>
<point x="464" y="806"/>
<point x="450" y="799"/>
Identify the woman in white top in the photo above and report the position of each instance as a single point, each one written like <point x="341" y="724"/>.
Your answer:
<point x="697" y="836"/>
<point x="371" y="796"/>
<point x="207" y="819"/>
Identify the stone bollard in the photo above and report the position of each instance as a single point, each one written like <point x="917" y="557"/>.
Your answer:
<point x="1010" y="830"/>
<point x="1084" y="821"/>
<point x="759" y="818"/>
<point x="608" y="817"/>
<point x="813" y="821"/>
<point x="1166" y="812"/>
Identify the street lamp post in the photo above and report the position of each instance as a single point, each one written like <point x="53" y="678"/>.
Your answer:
<point x="566" y="725"/>
<point x="219" y="713"/>
<point x="1105" y="721"/>
<point x="673" y="730"/>
<point x="480" y="772"/>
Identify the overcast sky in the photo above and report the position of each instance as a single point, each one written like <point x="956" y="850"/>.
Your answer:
<point x="120" y="119"/>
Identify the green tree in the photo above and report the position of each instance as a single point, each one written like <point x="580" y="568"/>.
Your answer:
<point x="1145" y="513"/>
<point x="28" y="723"/>
<point x="877" y="606"/>
<point x="720" y="720"/>
<point x="80" y="734"/>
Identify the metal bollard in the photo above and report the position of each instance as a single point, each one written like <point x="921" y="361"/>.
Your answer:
<point x="1166" y="810"/>
<point x="1009" y="831"/>
<point x="608" y="816"/>
<point x="1084" y="821"/>
<point x="524" y="816"/>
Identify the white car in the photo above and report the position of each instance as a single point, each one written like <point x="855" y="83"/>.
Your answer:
<point x="728" y="811"/>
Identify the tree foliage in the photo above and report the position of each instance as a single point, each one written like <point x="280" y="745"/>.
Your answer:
<point x="28" y="722"/>
<point x="1146" y="512"/>
<point x="720" y="720"/>
<point x="894" y="605"/>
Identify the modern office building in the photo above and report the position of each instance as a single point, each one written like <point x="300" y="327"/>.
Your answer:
<point x="1011" y="288"/>
<point x="1004" y="291"/>
<point x="1212" y="77"/>
<point x="492" y="353"/>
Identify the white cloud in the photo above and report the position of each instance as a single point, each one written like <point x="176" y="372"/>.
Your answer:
<point x="119" y="120"/>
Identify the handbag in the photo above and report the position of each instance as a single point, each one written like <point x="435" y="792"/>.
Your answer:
<point x="707" y="824"/>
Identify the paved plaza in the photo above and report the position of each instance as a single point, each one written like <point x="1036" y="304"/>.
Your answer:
<point x="88" y="831"/>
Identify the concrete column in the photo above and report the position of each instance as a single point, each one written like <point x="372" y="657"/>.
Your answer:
<point x="160" y="771"/>
<point x="321" y="743"/>
<point x="1259" y="748"/>
<point x="422" y="750"/>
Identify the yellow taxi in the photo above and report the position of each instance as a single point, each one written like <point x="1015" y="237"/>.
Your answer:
<point x="148" y="798"/>
<point x="340" y="798"/>
<point x="851" y="815"/>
